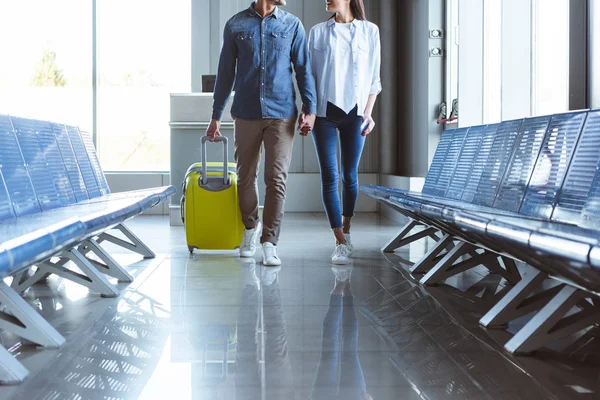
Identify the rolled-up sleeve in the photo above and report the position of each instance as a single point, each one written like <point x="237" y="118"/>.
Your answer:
<point x="225" y="74"/>
<point x="304" y="73"/>
<point x="376" y="63"/>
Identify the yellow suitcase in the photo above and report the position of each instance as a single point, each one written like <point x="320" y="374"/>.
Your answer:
<point x="209" y="204"/>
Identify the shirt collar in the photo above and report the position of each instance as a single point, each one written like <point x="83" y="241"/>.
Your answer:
<point x="331" y="22"/>
<point x="252" y="11"/>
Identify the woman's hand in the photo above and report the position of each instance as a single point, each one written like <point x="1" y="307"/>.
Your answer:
<point x="371" y="124"/>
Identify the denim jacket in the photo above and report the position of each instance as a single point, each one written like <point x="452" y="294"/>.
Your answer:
<point x="256" y="61"/>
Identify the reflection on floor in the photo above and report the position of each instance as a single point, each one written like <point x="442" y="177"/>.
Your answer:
<point x="213" y="326"/>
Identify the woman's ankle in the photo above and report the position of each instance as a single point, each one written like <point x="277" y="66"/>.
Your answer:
<point x="346" y="223"/>
<point x="338" y="233"/>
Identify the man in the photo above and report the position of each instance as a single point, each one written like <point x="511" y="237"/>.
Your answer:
<point x="260" y="44"/>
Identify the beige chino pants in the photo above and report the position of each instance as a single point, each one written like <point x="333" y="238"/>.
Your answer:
<point x="277" y="136"/>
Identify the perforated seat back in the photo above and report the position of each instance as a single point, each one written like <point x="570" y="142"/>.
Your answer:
<point x="88" y="143"/>
<point x="465" y="165"/>
<point x="71" y="164"/>
<point x="85" y="165"/>
<point x="580" y="175"/>
<point x="450" y="162"/>
<point x="437" y="164"/>
<point x="496" y="162"/>
<point x="512" y="189"/>
<point x="551" y="165"/>
<point x="6" y="208"/>
<point x="479" y="163"/>
<point x="56" y="164"/>
<point x="39" y="170"/>
<point x="16" y="177"/>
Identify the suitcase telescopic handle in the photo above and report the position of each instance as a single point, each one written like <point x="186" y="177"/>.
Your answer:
<point x="217" y="139"/>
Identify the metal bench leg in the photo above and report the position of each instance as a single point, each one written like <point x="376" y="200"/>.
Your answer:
<point x="450" y="265"/>
<point x="91" y="278"/>
<point x="446" y="268"/>
<point x="403" y="238"/>
<point x="109" y="265"/>
<point x="433" y="256"/>
<point x="20" y="318"/>
<point x="134" y="244"/>
<point x="12" y="372"/>
<point x="550" y="323"/>
<point x="517" y="302"/>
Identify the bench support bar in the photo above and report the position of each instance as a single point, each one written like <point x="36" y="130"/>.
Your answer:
<point x="404" y="238"/>
<point x="433" y="256"/>
<point x="91" y="277"/>
<point x="12" y="372"/>
<point x="554" y="321"/>
<point x="134" y="244"/>
<point x="518" y="301"/>
<point x="22" y="319"/>
<point x="107" y="265"/>
<point x="463" y="257"/>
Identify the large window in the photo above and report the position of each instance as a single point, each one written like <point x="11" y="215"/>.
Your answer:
<point x="143" y="56"/>
<point x="46" y="68"/>
<point x="525" y="57"/>
<point x="492" y="64"/>
<point x="551" y="56"/>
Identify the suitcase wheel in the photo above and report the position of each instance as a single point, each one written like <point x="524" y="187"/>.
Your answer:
<point x="191" y="249"/>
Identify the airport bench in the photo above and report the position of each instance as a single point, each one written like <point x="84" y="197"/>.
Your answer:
<point x="55" y="208"/>
<point x="524" y="190"/>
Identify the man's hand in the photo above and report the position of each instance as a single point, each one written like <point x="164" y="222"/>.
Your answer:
<point x="213" y="129"/>
<point x="371" y="124"/>
<point x="306" y="123"/>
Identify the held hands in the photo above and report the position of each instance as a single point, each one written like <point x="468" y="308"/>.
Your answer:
<point x="213" y="130"/>
<point x="306" y="123"/>
<point x="371" y="124"/>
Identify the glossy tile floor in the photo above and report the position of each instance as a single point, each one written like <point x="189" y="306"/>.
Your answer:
<point x="214" y="327"/>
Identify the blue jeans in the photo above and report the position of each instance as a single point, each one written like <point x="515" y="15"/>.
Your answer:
<point x="335" y="378"/>
<point x="352" y="142"/>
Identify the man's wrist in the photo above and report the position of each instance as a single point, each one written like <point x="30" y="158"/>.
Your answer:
<point x="217" y="115"/>
<point x="309" y="109"/>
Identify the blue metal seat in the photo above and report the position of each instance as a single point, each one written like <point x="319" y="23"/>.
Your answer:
<point x="147" y="198"/>
<point x="492" y="146"/>
<point x="55" y="204"/>
<point x="568" y="220"/>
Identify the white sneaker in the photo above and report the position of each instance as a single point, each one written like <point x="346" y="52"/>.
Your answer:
<point x="269" y="275"/>
<point x="349" y="244"/>
<point x="270" y="257"/>
<point x="341" y="255"/>
<point x="342" y="274"/>
<point x="249" y="273"/>
<point x="248" y="246"/>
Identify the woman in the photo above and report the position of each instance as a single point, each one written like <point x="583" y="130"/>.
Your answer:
<point x="345" y="57"/>
<point x="339" y="374"/>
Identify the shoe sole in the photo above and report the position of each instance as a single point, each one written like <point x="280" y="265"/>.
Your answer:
<point x="271" y="264"/>
<point x="340" y="262"/>
<point x="248" y="255"/>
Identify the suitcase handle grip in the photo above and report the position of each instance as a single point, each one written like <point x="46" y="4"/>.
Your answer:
<point x="217" y="139"/>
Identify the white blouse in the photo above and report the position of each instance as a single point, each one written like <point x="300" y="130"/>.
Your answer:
<point x="353" y="80"/>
